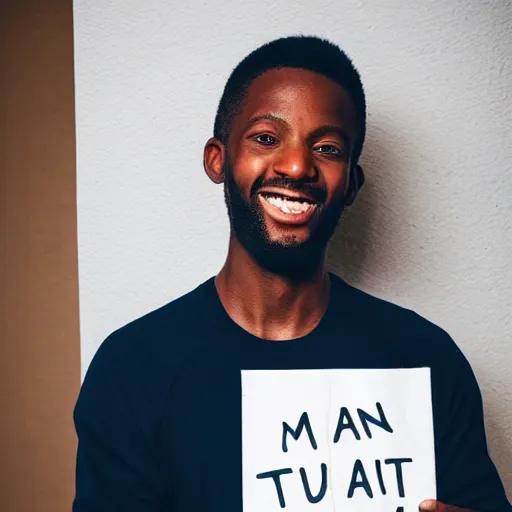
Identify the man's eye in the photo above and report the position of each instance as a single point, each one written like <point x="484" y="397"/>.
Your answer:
<point x="266" y="139"/>
<point x="327" y="149"/>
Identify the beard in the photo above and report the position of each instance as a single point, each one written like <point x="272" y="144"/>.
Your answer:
<point x="288" y="257"/>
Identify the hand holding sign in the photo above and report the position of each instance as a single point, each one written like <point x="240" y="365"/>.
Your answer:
<point x="437" y="506"/>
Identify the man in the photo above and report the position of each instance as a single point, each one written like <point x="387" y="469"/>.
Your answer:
<point x="159" y="414"/>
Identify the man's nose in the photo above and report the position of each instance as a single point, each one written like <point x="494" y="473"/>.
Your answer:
<point x="295" y="163"/>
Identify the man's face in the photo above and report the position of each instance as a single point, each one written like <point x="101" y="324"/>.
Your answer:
<point x="287" y="168"/>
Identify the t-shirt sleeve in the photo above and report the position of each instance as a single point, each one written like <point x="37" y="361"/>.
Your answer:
<point x="467" y="477"/>
<point x="117" y="466"/>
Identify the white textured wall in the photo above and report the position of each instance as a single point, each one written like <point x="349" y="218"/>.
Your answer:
<point x="432" y="229"/>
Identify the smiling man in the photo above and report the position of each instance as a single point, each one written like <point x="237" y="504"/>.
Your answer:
<point x="159" y="415"/>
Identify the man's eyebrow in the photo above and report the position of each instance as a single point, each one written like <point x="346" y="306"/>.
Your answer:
<point x="266" y="117"/>
<point x="330" y="128"/>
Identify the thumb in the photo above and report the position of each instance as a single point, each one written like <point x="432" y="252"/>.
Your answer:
<point x="437" y="506"/>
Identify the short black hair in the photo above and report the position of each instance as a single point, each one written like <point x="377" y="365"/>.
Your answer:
<point x="306" y="52"/>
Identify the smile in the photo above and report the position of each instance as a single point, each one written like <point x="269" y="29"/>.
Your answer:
<point x="287" y="204"/>
<point x="287" y="209"/>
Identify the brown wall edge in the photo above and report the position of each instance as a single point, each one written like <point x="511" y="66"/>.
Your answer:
<point x="39" y="335"/>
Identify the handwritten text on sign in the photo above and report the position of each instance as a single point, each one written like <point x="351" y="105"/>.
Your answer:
<point x="347" y="440"/>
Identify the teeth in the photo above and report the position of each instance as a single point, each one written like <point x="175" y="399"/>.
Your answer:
<point x="288" y="205"/>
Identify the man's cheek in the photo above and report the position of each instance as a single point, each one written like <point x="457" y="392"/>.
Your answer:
<point x="250" y="167"/>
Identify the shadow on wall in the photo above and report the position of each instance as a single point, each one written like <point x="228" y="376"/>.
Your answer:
<point x="364" y="242"/>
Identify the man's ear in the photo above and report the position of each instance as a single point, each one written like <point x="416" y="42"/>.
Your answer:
<point x="213" y="160"/>
<point x="356" y="181"/>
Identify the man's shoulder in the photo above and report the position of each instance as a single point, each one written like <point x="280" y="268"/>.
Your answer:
<point x="157" y="341"/>
<point x="138" y="363"/>
<point x="180" y="316"/>
<point x="400" y="328"/>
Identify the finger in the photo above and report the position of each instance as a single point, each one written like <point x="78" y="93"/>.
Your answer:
<point x="437" y="506"/>
<point x="429" y="506"/>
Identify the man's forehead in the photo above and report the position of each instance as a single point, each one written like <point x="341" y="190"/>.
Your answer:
<point x="284" y="91"/>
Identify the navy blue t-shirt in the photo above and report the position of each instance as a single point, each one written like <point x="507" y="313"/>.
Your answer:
<point x="159" y="413"/>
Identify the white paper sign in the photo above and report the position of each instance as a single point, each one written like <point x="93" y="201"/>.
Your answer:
<point x="337" y="440"/>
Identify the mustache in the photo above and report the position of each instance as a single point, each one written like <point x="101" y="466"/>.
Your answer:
<point x="319" y="194"/>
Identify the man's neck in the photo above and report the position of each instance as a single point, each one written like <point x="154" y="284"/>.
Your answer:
<point x="267" y="305"/>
